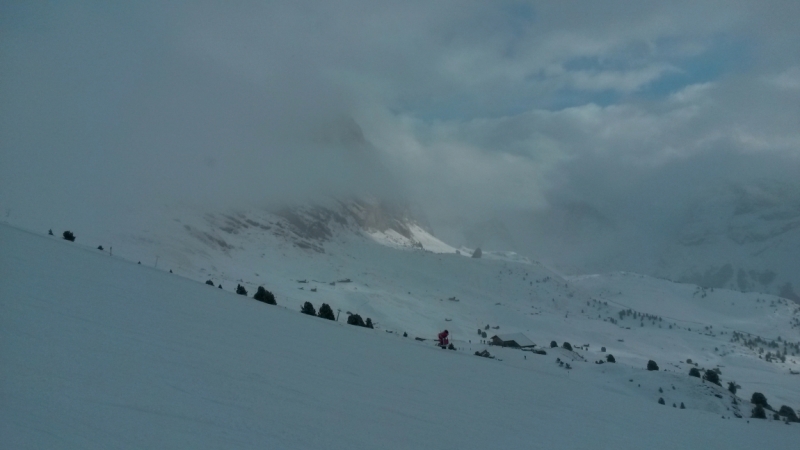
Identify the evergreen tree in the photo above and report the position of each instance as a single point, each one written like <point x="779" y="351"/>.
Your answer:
<point x="241" y="290"/>
<point x="712" y="377"/>
<point x="265" y="296"/>
<point x="69" y="236"/>
<point x="355" y="319"/>
<point x="326" y="312"/>
<point x="651" y="365"/>
<point x="759" y="413"/>
<point x="308" y="308"/>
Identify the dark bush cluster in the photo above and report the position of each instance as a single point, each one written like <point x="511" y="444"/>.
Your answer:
<point x="241" y="290"/>
<point x="567" y="346"/>
<point x="760" y="399"/>
<point x="651" y="365"/>
<point x="69" y="236"/>
<point x="610" y="358"/>
<point x="758" y="413"/>
<point x="694" y="372"/>
<point x="308" y="308"/>
<point x="355" y="319"/>
<point x="553" y="344"/>
<point x="326" y="312"/>
<point x="788" y="413"/>
<point x="210" y="283"/>
<point x="712" y="377"/>
<point x="265" y="296"/>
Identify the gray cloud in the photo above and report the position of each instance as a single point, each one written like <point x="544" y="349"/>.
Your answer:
<point x="475" y="110"/>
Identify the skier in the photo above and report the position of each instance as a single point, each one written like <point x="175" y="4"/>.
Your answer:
<point x="443" y="338"/>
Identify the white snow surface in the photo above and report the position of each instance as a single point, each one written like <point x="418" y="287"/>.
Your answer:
<point x="97" y="351"/>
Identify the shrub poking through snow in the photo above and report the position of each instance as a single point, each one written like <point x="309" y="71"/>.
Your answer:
<point x="610" y="358"/>
<point x="789" y="413"/>
<point x="241" y="290"/>
<point x="683" y="406"/>
<point x="265" y="296"/>
<point x="651" y="365"/>
<point x="567" y="346"/>
<point x="732" y="387"/>
<point x="553" y="344"/>
<point x="308" y="308"/>
<point x="759" y="399"/>
<point x="368" y="323"/>
<point x="758" y="413"/>
<point x="210" y="283"/>
<point x="694" y="372"/>
<point x="661" y="401"/>
<point x="355" y="319"/>
<point x="326" y="312"/>
<point x="69" y="236"/>
<point x="712" y="377"/>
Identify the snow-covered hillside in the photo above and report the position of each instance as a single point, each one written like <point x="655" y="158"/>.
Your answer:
<point x="100" y="352"/>
<point x="743" y="236"/>
<point x="106" y="321"/>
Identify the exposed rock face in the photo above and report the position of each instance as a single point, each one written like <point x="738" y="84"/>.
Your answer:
<point x="310" y="227"/>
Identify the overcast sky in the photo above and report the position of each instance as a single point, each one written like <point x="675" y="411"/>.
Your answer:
<point x="471" y="109"/>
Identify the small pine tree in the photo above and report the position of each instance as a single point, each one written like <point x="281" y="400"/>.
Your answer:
<point x="712" y="377"/>
<point x="694" y="372"/>
<point x="368" y="324"/>
<point x="50" y="232"/>
<point x="683" y="406"/>
<point x="651" y="365"/>
<point x="789" y="413"/>
<point x="210" y="283"/>
<point x="308" y="308"/>
<point x="265" y="296"/>
<point x="758" y="413"/>
<point x="759" y="399"/>
<point x="69" y="236"/>
<point x="732" y="387"/>
<point x="610" y="358"/>
<point x="220" y="286"/>
<point x="355" y="319"/>
<point x="241" y="290"/>
<point x="661" y="401"/>
<point x="326" y="312"/>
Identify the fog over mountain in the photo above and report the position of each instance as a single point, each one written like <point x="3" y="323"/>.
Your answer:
<point x="593" y="136"/>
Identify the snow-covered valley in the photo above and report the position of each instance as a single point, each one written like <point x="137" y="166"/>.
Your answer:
<point x="99" y="351"/>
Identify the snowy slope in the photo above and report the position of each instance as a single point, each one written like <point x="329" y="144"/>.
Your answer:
<point x="99" y="352"/>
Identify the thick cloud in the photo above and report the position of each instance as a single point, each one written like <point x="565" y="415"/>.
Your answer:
<point x="475" y="110"/>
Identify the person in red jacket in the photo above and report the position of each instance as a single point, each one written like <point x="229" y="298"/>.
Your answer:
<point x="443" y="338"/>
